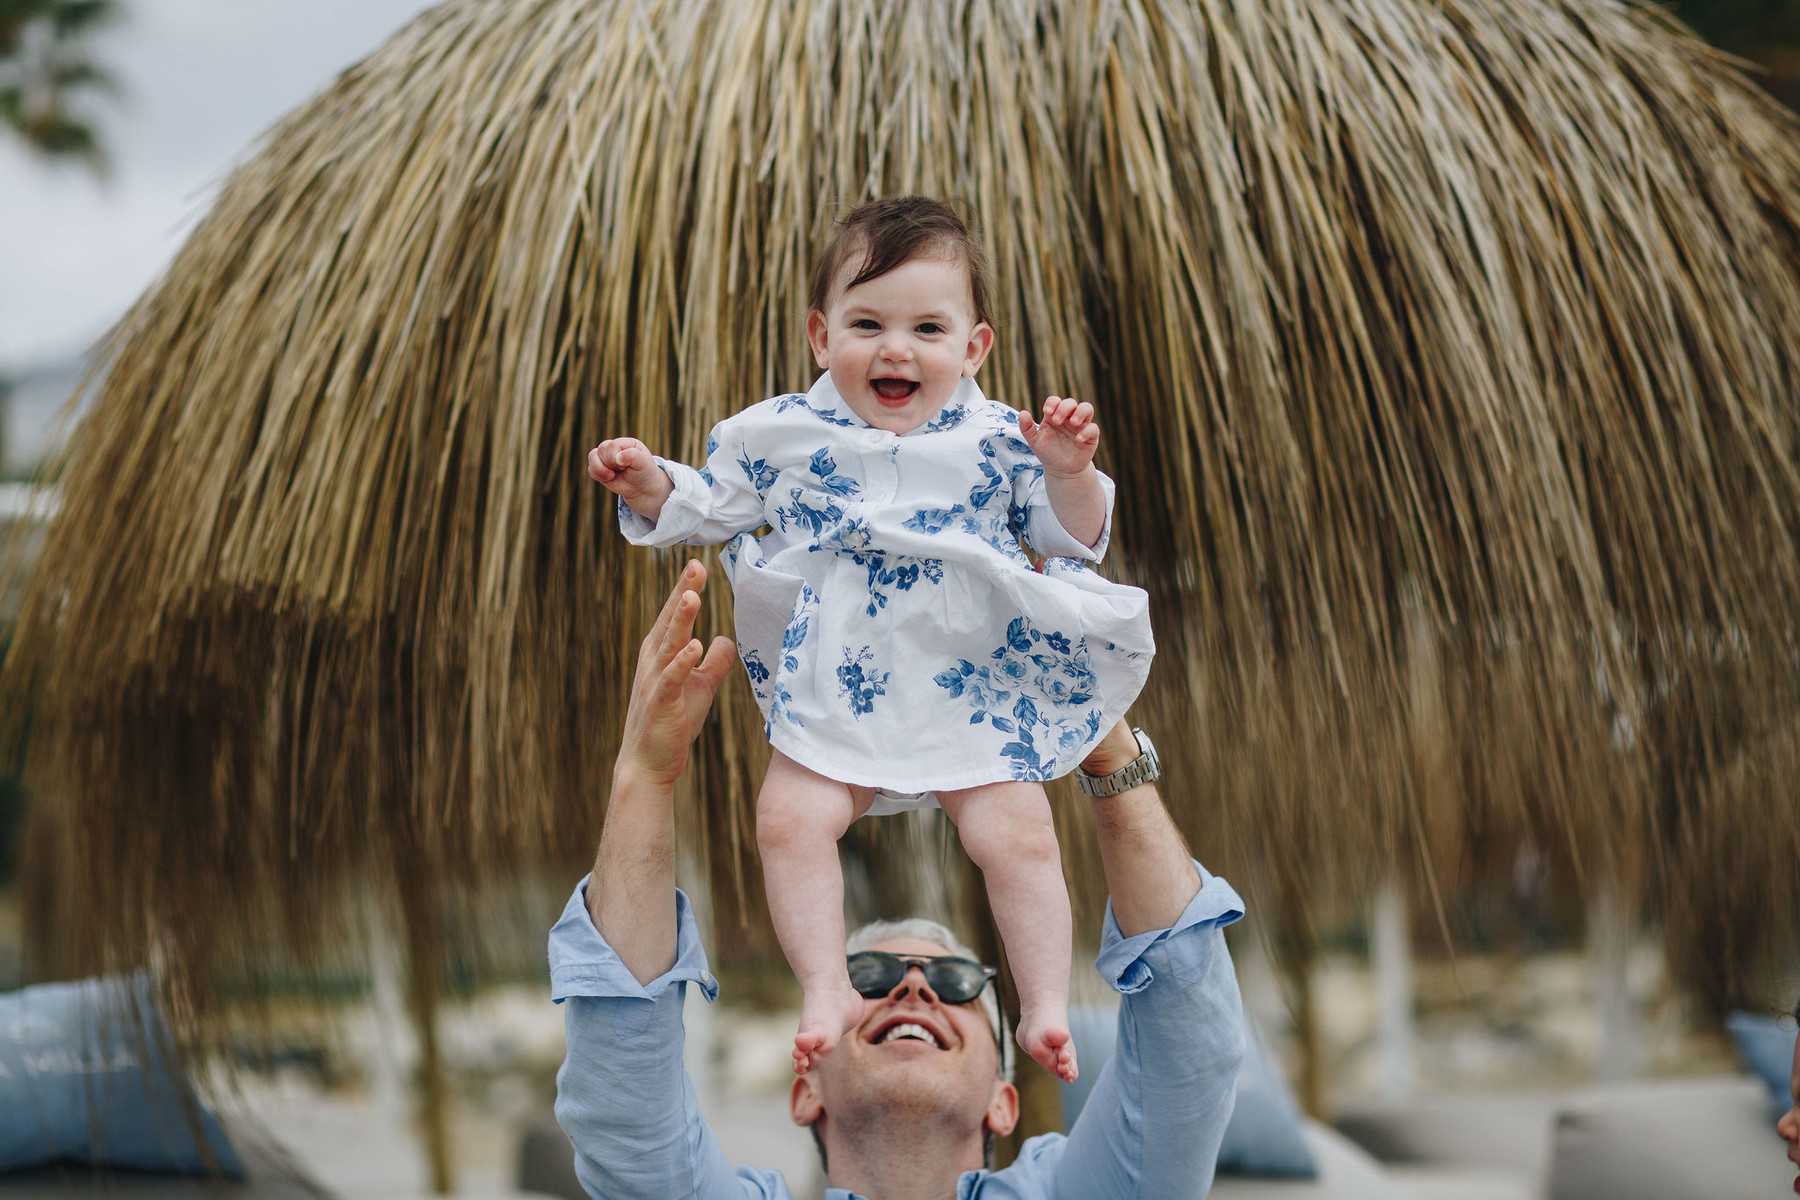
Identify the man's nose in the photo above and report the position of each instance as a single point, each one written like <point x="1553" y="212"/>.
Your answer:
<point x="913" y="983"/>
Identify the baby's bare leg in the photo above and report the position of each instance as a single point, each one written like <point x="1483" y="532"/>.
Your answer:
<point x="1007" y="830"/>
<point x="800" y="815"/>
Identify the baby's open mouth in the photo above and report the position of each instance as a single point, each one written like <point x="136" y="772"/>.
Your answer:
<point x="894" y="389"/>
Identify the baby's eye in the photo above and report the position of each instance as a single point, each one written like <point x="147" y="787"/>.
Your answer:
<point x="931" y="327"/>
<point x="864" y="323"/>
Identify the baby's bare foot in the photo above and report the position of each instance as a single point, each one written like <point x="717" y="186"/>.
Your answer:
<point x="1045" y="1036"/>
<point x="826" y="1014"/>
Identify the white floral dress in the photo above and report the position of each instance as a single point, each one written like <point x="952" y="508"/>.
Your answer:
<point x="895" y="632"/>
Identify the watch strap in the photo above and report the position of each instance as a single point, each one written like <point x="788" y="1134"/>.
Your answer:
<point x="1145" y="768"/>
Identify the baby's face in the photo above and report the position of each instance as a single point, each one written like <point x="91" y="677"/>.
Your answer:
<point x="898" y="345"/>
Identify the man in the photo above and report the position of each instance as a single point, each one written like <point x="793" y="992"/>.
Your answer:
<point x="906" y="1106"/>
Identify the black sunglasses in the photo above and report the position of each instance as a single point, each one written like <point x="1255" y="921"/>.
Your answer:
<point x="875" y="973"/>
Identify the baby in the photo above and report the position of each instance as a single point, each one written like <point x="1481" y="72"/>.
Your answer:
<point x="902" y="647"/>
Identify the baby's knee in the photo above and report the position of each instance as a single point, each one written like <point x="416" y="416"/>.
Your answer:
<point x="1012" y="835"/>
<point x="781" y="825"/>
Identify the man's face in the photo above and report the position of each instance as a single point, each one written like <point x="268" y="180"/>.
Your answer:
<point x="911" y="1054"/>
<point x="898" y="345"/>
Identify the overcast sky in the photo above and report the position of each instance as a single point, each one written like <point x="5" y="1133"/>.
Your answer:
<point x="201" y="80"/>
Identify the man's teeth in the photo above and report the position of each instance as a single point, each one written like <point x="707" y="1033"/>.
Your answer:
<point x="907" y="1029"/>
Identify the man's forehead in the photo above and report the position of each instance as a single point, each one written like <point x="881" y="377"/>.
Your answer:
<point x="913" y="946"/>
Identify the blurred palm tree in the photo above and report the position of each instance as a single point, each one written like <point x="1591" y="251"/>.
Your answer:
<point x="46" y="72"/>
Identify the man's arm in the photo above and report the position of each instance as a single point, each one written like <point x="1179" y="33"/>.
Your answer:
<point x="1154" y="1121"/>
<point x="626" y="947"/>
<point x="1149" y="873"/>
<point x="632" y="895"/>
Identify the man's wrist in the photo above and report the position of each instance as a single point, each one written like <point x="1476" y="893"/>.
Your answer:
<point x="1119" y="748"/>
<point x="633" y="777"/>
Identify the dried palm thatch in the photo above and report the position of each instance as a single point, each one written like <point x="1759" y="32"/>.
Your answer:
<point x="1446" y="353"/>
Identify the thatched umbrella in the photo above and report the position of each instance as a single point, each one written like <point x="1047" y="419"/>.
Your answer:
<point x="1446" y="352"/>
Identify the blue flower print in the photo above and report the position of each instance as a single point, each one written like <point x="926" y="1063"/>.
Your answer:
<point x="753" y="666"/>
<point x="760" y="474"/>
<point x="780" y="708"/>
<point x="902" y="576"/>
<point x="784" y="403"/>
<point x="791" y="639"/>
<point x="1047" y="678"/>
<point x="852" y="537"/>
<point x="949" y="417"/>
<point x="983" y="493"/>
<point x="933" y="521"/>
<point x="859" y="686"/>
<point x="1013" y="670"/>
<point x="804" y="515"/>
<point x="826" y="469"/>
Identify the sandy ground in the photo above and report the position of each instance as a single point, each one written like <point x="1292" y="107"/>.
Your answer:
<point x="360" y="1139"/>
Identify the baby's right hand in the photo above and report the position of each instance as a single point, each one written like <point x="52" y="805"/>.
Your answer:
<point x="624" y="465"/>
<point x="626" y="468"/>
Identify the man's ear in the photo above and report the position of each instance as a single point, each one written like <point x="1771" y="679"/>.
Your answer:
<point x="805" y="1106"/>
<point x="816" y="328"/>
<point x="1003" y="1109"/>
<point x="981" y="340"/>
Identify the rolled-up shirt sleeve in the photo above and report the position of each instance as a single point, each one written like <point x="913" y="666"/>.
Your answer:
<point x="1153" y="1124"/>
<point x="623" y="1095"/>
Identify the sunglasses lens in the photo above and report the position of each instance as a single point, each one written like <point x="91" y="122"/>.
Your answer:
<point x="955" y="980"/>
<point x="875" y="973"/>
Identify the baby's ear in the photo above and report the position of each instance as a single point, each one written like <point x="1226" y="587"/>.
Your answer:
<point x="981" y="341"/>
<point x="817" y="327"/>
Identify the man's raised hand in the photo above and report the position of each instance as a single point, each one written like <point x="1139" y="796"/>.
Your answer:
<point x="674" y="687"/>
<point x="1064" y="438"/>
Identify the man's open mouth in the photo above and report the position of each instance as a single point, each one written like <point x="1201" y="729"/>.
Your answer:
<point x="902" y="1031"/>
<point x="894" y="389"/>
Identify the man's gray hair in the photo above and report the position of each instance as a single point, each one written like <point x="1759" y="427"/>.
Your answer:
<point x="923" y="929"/>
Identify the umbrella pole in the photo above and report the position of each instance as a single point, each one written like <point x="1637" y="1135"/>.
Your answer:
<point x="1296" y="958"/>
<point x="1610" y="932"/>
<point x="431" y="1081"/>
<point x="1390" y="946"/>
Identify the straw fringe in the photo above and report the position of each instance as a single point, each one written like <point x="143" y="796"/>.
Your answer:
<point x="1445" y="353"/>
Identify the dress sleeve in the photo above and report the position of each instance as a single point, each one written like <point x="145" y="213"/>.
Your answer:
<point x="1153" y="1124"/>
<point x="623" y="1095"/>
<point x="1036" y="521"/>
<point x="714" y="503"/>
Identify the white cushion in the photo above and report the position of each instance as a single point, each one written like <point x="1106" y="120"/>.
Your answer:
<point x="1346" y="1172"/>
<point x="1670" y="1140"/>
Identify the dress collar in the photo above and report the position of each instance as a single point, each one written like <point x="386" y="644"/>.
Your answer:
<point x="824" y="400"/>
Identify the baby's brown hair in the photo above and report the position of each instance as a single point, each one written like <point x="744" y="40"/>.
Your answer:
<point x="893" y="232"/>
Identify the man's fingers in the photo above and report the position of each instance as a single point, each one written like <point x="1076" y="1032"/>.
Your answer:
<point x="681" y="619"/>
<point x="720" y="656"/>
<point x="674" y="675"/>
<point x="691" y="579"/>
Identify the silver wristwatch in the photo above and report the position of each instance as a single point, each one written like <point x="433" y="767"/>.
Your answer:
<point x="1142" y="769"/>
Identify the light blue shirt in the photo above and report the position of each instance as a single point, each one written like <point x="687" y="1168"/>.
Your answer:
<point x="1150" y="1129"/>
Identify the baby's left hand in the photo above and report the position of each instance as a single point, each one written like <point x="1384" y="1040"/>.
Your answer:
<point x="1065" y="438"/>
